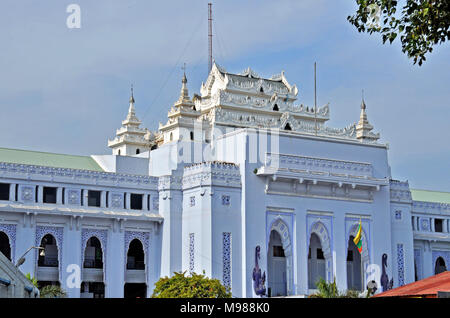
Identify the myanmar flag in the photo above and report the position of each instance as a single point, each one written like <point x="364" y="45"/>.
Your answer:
<point x="357" y="239"/>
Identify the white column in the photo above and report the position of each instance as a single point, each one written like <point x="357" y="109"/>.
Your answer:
<point x="72" y="243"/>
<point x="145" y="202"/>
<point x="445" y="225"/>
<point x="115" y="266"/>
<point x="40" y="194"/>
<point x="339" y="255"/>
<point x="12" y="192"/>
<point x="432" y="224"/>
<point x="25" y="237"/>
<point x="428" y="266"/>
<point x="58" y="195"/>
<point x="103" y="199"/>
<point x="84" y="197"/>
<point x="127" y="200"/>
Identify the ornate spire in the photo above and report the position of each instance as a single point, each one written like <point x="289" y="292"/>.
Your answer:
<point x="364" y="128"/>
<point x="129" y="138"/>
<point x="184" y="93"/>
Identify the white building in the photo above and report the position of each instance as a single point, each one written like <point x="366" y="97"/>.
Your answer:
<point x="241" y="182"/>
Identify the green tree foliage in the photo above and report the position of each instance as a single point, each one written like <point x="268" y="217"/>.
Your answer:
<point x="52" y="291"/>
<point x="330" y="290"/>
<point x="193" y="286"/>
<point x="421" y="24"/>
<point x="33" y="280"/>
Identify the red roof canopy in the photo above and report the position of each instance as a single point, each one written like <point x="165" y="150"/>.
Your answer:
<point x="427" y="287"/>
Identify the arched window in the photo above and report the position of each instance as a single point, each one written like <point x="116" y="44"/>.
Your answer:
<point x="135" y="255"/>
<point x="137" y="151"/>
<point x="275" y="107"/>
<point x="93" y="254"/>
<point x="118" y="152"/>
<point x="192" y="135"/>
<point x="287" y="127"/>
<point x="316" y="262"/>
<point x="276" y="266"/>
<point x="5" y="248"/>
<point x="261" y="90"/>
<point x="354" y="273"/>
<point x="440" y="266"/>
<point x="50" y="256"/>
<point x="171" y="137"/>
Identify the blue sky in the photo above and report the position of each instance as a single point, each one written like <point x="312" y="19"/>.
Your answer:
<point x="66" y="90"/>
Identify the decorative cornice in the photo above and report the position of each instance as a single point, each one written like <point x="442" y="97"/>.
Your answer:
<point x="430" y="207"/>
<point x="169" y="183"/>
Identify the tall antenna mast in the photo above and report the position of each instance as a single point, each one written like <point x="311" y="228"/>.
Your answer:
<point x="209" y="37"/>
<point x="315" y="101"/>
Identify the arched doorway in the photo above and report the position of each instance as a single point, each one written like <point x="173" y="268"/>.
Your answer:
<point x="439" y="266"/>
<point x="316" y="262"/>
<point x="48" y="262"/>
<point x="354" y="266"/>
<point x="135" y="278"/>
<point x="279" y="255"/>
<point x="276" y="266"/>
<point x="320" y="264"/>
<point x="5" y="247"/>
<point x="93" y="285"/>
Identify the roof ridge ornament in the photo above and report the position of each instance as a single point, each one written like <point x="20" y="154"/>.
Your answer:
<point x="249" y="73"/>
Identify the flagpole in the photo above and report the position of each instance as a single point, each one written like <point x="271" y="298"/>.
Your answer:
<point x="361" y="261"/>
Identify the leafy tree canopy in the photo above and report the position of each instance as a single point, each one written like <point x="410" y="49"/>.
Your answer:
<point x="421" y="24"/>
<point x="193" y="286"/>
<point x="52" y="291"/>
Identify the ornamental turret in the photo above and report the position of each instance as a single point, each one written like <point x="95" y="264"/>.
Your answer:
<point x="182" y="118"/>
<point x="364" y="128"/>
<point x="130" y="138"/>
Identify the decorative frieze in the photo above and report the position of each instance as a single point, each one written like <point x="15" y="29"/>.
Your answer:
<point x="211" y="174"/>
<point x="169" y="183"/>
<point x="332" y="166"/>
<point x="430" y="207"/>
<point x="74" y="176"/>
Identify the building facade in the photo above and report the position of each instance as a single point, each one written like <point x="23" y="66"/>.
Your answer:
<point x="242" y="183"/>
